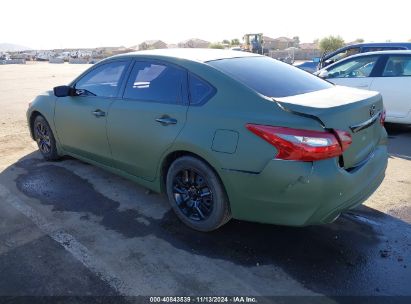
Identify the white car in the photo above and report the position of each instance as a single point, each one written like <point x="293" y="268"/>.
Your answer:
<point x="387" y="72"/>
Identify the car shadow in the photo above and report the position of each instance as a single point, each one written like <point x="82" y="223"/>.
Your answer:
<point x="399" y="137"/>
<point x="364" y="252"/>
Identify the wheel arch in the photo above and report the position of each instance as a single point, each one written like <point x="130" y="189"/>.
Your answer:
<point x="172" y="156"/>
<point x="32" y="117"/>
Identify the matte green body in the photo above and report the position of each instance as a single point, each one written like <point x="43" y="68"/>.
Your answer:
<point x="260" y="188"/>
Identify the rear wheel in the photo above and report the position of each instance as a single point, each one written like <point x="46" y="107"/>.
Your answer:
<point x="196" y="194"/>
<point x="45" y="138"/>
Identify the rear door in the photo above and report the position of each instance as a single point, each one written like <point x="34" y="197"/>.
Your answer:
<point x="355" y="72"/>
<point x="81" y="120"/>
<point x="145" y="122"/>
<point x="394" y="84"/>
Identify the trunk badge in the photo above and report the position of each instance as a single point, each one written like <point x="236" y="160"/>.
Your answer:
<point x="372" y="110"/>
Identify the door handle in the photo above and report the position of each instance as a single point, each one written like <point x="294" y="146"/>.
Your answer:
<point x="165" y="120"/>
<point x="99" y="113"/>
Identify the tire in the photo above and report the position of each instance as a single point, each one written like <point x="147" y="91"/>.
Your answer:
<point x="196" y="194"/>
<point x="44" y="137"/>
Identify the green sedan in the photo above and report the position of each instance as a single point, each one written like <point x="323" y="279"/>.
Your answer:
<point x="223" y="134"/>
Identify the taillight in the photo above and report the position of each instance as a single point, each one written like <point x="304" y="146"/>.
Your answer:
<point x="344" y="138"/>
<point x="382" y="117"/>
<point x="303" y="145"/>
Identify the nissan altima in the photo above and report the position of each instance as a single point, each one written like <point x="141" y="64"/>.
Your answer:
<point x="223" y="134"/>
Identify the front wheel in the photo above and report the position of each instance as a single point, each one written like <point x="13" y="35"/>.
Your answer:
<point x="44" y="137"/>
<point x="196" y="194"/>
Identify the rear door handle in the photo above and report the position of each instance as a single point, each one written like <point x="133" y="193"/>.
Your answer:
<point x="165" y="120"/>
<point x="99" y="113"/>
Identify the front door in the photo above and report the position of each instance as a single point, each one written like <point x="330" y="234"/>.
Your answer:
<point x="81" y="120"/>
<point x="145" y="123"/>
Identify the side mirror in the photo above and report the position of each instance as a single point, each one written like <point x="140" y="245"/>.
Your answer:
<point x="63" y="91"/>
<point x="323" y="74"/>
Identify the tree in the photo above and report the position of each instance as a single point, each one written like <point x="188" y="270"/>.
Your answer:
<point x="235" y="41"/>
<point x="359" y="40"/>
<point x="296" y="41"/>
<point x="216" y="46"/>
<point x="225" y="41"/>
<point x="331" y="43"/>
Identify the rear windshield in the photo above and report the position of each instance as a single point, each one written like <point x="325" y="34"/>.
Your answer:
<point x="270" y="77"/>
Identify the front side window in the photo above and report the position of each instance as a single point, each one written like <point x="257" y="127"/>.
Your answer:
<point x="102" y="81"/>
<point x="397" y="66"/>
<point x="156" y="82"/>
<point x="354" y="68"/>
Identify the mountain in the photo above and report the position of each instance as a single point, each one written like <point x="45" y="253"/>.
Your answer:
<point x="4" y="47"/>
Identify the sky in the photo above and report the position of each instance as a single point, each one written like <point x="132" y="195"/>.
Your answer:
<point x="48" y="24"/>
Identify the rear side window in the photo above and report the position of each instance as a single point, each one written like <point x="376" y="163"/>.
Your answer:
<point x="102" y="81"/>
<point x="200" y="91"/>
<point x="155" y="82"/>
<point x="270" y="77"/>
<point x="397" y="66"/>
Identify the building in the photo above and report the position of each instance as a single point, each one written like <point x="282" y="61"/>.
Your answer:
<point x="172" y="46"/>
<point x="280" y="43"/>
<point x="193" y="43"/>
<point x="151" y="45"/>
<point x="309" y="46"/>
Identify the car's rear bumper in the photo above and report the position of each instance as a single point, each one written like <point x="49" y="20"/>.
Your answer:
<point x="303" y="193"/>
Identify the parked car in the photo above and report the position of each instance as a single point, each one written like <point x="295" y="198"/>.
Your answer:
<point x="308" y="66"/>
<point x="388" y="72"/>
<point x="223" y="133"/>
<point x="349" y="50"/>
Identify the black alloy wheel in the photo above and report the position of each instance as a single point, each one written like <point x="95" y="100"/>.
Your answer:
<point x="197" y="194"/>
<point x="193" y="195"/>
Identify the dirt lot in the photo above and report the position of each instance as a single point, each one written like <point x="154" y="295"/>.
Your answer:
<point x="68" y="228"/>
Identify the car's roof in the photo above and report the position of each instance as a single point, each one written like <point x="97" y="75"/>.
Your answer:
<point x="375" y="44"/>
<point x="193" y="54"/>
<point x="370" y="44"/>
<point x="389" y="52"/>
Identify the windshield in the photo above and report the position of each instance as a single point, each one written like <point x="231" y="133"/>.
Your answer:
<point x="341" y="55"/>
<point x="270" y="77"/>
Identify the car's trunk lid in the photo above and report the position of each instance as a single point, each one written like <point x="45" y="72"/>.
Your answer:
<point x="352" y="110"/>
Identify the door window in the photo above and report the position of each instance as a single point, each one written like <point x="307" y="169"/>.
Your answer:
<point x="155" y="82"/>
<point x="397" y="66"/>
<point x="200" y="91"/>
<point x="355" y="68"/>
<point x="102" y="81"/>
